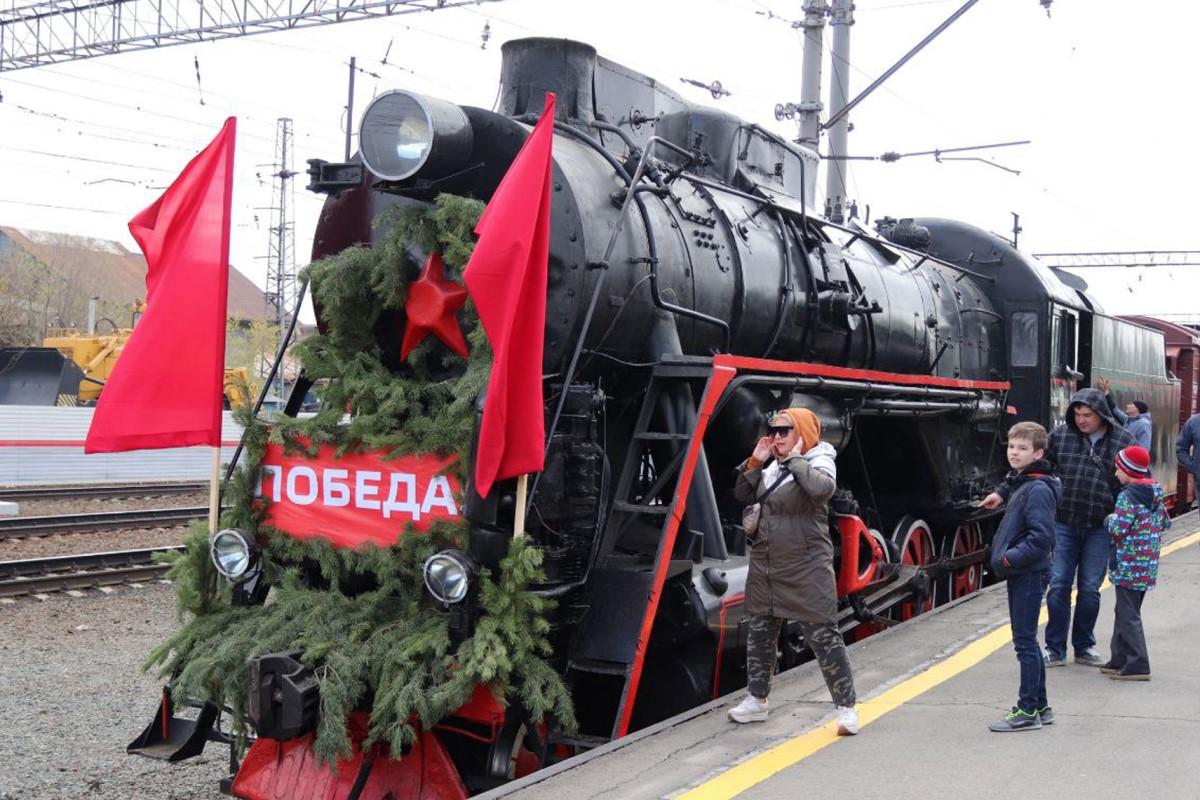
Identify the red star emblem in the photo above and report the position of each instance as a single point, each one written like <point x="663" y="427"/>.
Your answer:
<point x="431" y="306"/>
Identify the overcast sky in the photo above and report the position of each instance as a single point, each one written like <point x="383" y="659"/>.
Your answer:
<point x="1104" y="89"/>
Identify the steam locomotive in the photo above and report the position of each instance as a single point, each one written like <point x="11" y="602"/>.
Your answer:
<point x="690" y="293"/>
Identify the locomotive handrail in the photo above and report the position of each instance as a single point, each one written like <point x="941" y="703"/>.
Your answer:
<point x="262" y="394"/>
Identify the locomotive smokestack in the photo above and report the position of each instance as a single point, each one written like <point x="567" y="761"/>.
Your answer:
<point x="532" y="67"/>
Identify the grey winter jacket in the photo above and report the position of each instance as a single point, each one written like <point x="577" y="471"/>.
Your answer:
<point x="1140" y="427"/>
<point x="1187" y="446"/>
<point x="791" y="560"/>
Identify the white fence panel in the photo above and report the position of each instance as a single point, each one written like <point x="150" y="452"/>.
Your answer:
<point x="44" y="444"/>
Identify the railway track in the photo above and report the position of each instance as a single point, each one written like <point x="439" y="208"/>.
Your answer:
<point x="23" y="527"/>
<point x="88" y="571"/>
<point x="100" y="490"/>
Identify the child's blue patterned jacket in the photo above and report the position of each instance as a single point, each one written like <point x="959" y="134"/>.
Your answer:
<point x="1137" y="525"/>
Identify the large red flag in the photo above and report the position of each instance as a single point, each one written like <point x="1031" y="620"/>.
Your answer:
<point x="506" y="277"/>
<point x="165" y="390"/>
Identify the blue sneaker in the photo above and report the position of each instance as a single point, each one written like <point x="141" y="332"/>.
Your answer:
<point x="1046" y="715"/>
<point x="1017" y="720"/>
<point x="1052" y="659"/>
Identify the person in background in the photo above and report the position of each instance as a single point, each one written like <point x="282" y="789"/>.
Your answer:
<point x="1187" y="449"/>
<point x="1137" y="525"/>
<point x="1135" y="418"/>
<point x="792" y="475"/>
<point x="1081" y="450"/>
<point x="1021" y="555"/>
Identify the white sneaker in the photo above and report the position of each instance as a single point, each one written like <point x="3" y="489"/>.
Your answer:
<point x="751" y="709"/>
<point x="847" y="720"/>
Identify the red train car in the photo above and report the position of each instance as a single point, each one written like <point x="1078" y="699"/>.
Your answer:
<point x="1183" y="361"/>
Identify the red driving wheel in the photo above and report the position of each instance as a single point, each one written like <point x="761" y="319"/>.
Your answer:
<point x="914" y="545"/>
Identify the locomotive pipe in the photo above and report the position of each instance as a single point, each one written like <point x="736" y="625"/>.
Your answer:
<point x="786" y="288"/>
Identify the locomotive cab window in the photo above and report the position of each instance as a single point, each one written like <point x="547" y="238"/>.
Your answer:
<point x="1024" y="339"/>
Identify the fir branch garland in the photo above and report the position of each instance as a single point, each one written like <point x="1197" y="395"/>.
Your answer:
<point x="386" y="643"/>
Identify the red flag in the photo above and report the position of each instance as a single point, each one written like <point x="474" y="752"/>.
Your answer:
<point x="165" y="390"/>
<point x="506" y="277"/>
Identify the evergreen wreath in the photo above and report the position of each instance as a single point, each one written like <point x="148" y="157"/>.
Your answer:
<point x="385" y="643"/>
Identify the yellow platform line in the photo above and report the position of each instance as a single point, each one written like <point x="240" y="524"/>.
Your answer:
<point x="755" y="770"/>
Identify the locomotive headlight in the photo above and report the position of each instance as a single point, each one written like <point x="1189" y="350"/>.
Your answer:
<point x="403" y="133"/>
<point x="233" y="554"/>
<point x="448" y="576"/>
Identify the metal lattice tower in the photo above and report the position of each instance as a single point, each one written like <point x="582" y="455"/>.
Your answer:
<point x="281" y="255"/>
<point x="53" y="31"/>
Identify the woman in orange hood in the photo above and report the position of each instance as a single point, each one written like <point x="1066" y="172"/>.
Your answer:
<point x="792" y="475"/>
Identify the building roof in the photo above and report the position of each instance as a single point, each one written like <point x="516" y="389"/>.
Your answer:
<point x="108" y="270"/>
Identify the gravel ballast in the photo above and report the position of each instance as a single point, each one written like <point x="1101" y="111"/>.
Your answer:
<point x="72" y="696"/>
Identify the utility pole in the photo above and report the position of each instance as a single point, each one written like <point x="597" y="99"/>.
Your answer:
<point x="810" y="106"/>
<point x="281" y="259"/>
<point x="841" y="17"/>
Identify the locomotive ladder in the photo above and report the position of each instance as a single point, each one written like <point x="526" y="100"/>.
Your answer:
<point x="623" y="591"/>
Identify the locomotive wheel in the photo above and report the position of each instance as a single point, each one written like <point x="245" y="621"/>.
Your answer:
<point x="865" y="629"/>
<point x="968" y="538"/>
<point x="913" y="541"/>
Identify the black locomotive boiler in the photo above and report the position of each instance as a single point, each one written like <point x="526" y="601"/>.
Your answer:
<point x="690" y="294"/>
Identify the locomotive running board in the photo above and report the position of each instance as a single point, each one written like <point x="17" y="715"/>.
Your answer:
<point x="724" y="370"/>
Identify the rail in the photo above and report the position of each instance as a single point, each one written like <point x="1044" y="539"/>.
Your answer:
<point x="23" y="527"/>
<point x="100" y="490"/>
<point x="85" y="571"/>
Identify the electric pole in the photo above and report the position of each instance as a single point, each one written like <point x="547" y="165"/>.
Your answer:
<point x="810" y="107"/>
<point x="841" y="17"/>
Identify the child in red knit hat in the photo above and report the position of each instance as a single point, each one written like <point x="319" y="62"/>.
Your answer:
<point x="1136" y="525"/>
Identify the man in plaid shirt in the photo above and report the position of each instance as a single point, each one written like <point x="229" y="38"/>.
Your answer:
<point x="1081" y="450"/>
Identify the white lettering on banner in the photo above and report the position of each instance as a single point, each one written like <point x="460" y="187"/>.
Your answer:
<point x="336" y="495"/>
<point x="314" y="486"/>
<point x="366" y="488"/>
<point x="439" y="495"/>
<point x="302" y="485"/>
<point x="276" y="474"/>
<point x="409" y="506"/>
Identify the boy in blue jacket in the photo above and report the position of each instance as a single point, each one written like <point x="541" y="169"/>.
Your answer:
<point x="1021" y="553"/>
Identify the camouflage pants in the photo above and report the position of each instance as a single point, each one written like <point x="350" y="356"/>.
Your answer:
<point x="825" y="642"/>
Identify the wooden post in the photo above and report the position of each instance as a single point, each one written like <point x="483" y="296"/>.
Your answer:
<point x="519" y="516"/>
<point x="214" y="491"/>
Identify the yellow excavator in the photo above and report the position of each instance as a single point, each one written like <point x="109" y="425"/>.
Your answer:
<point x="41" y="376"/>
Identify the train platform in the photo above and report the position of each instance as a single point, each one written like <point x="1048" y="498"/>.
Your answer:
<point x="927" y="691"/>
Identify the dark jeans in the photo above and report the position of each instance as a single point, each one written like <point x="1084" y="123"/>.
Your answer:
<point x="1082" y="551"/>
<point x="1128" y="648"/>
<point x="1024" y="604"/>
<point x="826" y="644"/>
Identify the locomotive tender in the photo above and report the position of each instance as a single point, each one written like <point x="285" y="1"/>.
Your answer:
<point x="690" y="294"/>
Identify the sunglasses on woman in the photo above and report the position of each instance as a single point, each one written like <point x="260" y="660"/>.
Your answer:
<point x="779" y="430"/>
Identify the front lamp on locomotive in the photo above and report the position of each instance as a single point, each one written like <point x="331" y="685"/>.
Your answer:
<point x="689" y="295"/>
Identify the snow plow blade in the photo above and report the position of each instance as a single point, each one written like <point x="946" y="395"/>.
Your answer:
<point x="172" y="738"/>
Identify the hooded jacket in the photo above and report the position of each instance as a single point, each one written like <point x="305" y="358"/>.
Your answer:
<point x="1026" y="532"/>
<point x="1137" y="525"/>
<point x="1089" y="482"/>
<point x="791" y="560"/>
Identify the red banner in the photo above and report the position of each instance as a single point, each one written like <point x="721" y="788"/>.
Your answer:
<point x="356" y="498"/>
